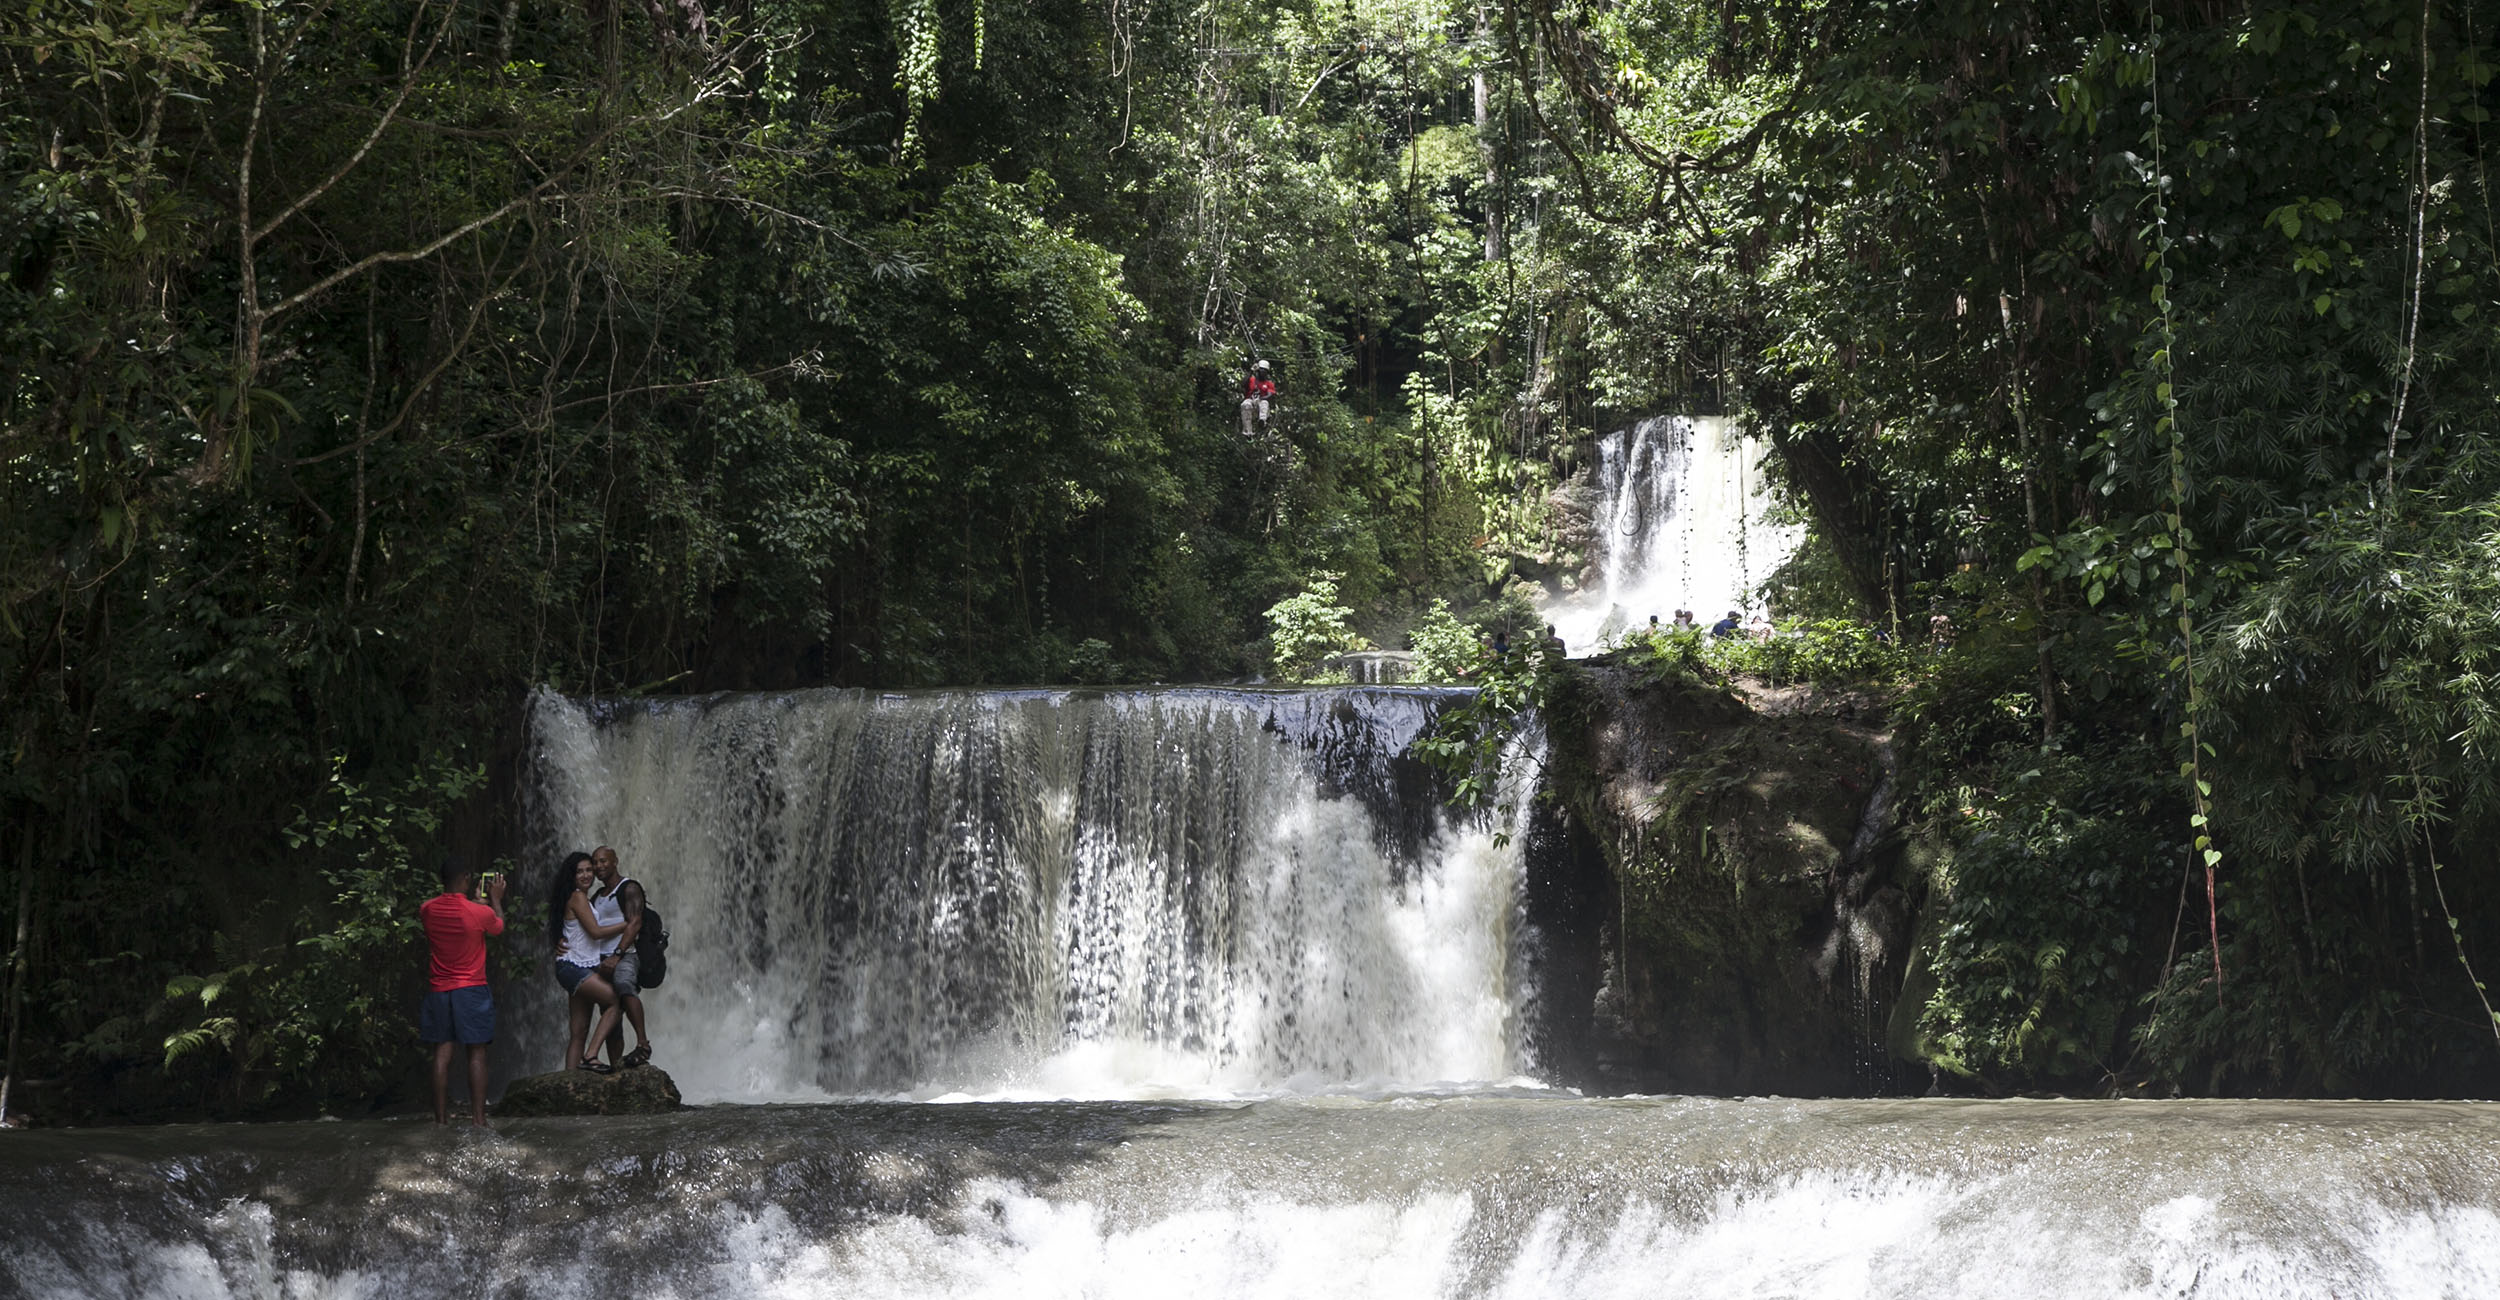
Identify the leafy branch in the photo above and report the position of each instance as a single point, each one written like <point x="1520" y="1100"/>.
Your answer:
<point x="1470" y="739"/>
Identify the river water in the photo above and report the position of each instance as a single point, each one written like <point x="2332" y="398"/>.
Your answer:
<point x="1491" y="1196"/>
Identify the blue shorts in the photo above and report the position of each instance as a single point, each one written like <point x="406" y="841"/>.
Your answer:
<point x="457" y="1016"/>
<point x="571" y="976"/>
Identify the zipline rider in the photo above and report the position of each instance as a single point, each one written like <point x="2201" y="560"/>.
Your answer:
<point x="1258" y="390"/>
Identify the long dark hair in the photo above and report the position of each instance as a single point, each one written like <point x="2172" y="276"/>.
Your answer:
<point x="560" y="895"/>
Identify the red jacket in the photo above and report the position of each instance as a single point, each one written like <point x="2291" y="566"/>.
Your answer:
<point x="1258" y="385"/>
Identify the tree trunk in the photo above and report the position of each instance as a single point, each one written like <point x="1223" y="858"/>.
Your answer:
<point x="17" y="964"/>
<point x="1483" y="84"/>
<point x="1849" y="507"/>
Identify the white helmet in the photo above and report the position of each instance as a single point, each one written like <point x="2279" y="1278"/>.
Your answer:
<point x="1260" y="366"/>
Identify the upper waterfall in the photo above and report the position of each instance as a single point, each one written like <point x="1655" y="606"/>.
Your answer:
<point x="1680" y="520"/>
<point x="1193" y="891"/>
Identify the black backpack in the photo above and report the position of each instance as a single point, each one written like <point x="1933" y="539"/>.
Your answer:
<point x="651" y="948"/>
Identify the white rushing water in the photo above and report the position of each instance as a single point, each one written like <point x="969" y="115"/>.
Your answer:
<point x="1025" y="894"/>
<point x="1680" y="520"/>
<point x="1296" y="1199"/>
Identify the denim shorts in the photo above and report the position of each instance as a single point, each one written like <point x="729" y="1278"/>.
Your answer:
<point x="457" y="1016"/>
<point x="627" y="977"/>
<point x="571" y="976"/>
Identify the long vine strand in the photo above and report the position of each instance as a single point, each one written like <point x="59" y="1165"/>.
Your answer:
<point x="2430" y="851"/>
<point x="2165" y="372"/>
<point x="2419" y="253"/>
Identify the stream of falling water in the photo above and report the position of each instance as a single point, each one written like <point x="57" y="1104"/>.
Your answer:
<point x="1194" y="892"/>
<point x="1681" y="520"/>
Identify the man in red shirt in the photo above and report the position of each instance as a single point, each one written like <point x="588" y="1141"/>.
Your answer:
<point x="458" y="1007"/>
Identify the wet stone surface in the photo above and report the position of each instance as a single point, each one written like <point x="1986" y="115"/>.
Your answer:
<point x="646" y="1090"/>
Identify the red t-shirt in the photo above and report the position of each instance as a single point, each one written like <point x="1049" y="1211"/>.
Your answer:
<point x="456" y="929"/>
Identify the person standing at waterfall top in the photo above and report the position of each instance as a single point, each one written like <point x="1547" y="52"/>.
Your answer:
<point x="619" y="898"/>
<point x="458" y="1006"/>
<point x="1728" y="626"/>
<point x="1258" y="389"/>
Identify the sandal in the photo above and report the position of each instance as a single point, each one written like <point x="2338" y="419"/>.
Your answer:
<point x="596" y="1067"/>
<point x="639" y="1056"/>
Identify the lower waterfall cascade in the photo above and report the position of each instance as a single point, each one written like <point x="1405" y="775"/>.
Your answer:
<point x="1018" y="894"/>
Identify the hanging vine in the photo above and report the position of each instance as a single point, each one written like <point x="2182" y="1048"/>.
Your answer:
<point x="2418" y="251"/>
<point x="919" y="38"/>
<point x="2165" y="393"/>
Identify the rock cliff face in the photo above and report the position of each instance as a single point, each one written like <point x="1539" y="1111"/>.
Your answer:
<point x="1754" y="929"/>
<point x="646" y="1090"/>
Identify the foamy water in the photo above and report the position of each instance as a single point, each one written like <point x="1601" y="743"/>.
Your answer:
<point x="1516" y="1199"/>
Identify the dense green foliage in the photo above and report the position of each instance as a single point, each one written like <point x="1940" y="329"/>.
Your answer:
<point x="368" y="362"/>
<point x="1823" y="651"/>
<point x="2157" y="346"/>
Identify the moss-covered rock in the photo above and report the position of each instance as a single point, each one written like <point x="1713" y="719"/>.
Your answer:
<point x="1757" y="931"/>
<point x="646" y="1090"/>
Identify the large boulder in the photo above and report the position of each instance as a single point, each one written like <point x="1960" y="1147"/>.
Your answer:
<point x="646" y="1090"/>
<point x="1754" y="939"/>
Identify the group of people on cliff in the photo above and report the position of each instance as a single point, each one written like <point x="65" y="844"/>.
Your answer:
<point x="602" y="932"/>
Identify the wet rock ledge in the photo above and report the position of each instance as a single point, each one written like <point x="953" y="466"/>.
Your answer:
<point x="1758" y="909"/>
<point x="646" y="1090"/>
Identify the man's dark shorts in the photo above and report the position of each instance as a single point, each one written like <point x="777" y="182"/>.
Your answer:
<point x="457" y="1016"/>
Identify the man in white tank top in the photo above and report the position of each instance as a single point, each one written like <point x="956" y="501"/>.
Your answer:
<point x="618" y="898"/>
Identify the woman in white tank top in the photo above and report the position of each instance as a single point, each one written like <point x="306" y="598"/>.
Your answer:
<point x="579" y="935"/>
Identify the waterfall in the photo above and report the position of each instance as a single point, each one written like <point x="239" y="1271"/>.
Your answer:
<point x="1679" y="520"/>
<point x="1179" y="892"/>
